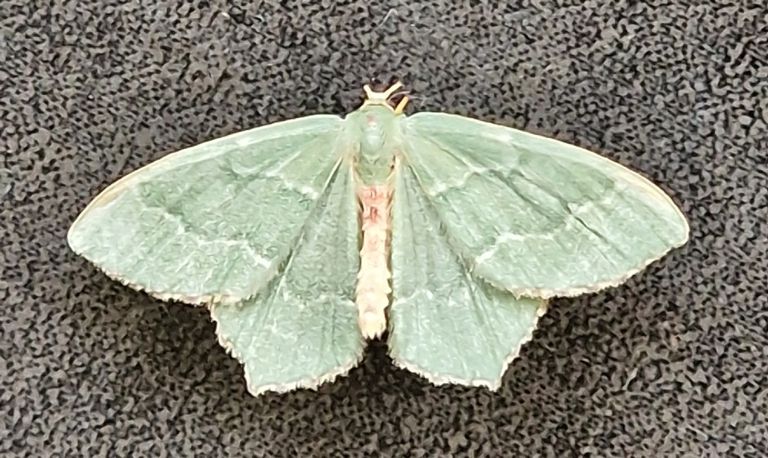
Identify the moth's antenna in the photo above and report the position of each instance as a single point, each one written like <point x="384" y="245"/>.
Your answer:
<point x="393" y="97"/>
<point x="368" y="92"/>
<point x="391" y="90"/>
<point x="401" y="106"/>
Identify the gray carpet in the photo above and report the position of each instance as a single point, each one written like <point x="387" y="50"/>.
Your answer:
<point x="671" y="364"/>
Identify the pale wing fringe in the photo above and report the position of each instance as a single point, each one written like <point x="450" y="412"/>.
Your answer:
<point x="492" y="385"/>
<point x="308" y="383"/>
<point x="587" y="289"/>
<point x="206" y="300"/>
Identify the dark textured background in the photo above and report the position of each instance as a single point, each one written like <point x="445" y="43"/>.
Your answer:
<point x="672" y="363"/>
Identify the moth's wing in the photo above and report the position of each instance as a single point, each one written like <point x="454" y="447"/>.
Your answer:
<point x="213" y="222"/>
<point x="445" y="323"/>
<point x="301" y="330"/>
<point x="536" y="216"/>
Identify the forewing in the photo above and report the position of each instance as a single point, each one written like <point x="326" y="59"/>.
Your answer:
<point x="212" y="222"/>
<point x="302" y="330"/>
<point x="447" y="324"/>
<point x="536" y="216"/>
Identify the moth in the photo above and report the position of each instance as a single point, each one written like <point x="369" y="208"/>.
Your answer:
<point x="305" y="238"/>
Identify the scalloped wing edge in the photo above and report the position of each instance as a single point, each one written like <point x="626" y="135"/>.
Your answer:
<point x="306" y="383"/>
<point x="207" y="300"/>
<point x="586" y="289"/>
<point x="493" y="385"/>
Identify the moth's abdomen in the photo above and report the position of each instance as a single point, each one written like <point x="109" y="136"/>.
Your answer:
<point x="373" y="279"/>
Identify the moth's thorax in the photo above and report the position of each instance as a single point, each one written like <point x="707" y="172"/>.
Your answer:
<point x="375" y="131"/>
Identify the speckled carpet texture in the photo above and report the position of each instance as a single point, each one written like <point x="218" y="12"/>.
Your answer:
<point x="673" y="363"/>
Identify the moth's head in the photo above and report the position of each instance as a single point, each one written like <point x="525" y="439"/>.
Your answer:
<point x="391" y="95"/>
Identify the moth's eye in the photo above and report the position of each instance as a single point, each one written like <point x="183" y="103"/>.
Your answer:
<point x="381" y="84"/>
<point x="377" y="85"/>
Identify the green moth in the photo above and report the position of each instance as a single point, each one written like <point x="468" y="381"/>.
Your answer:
<point x="307" y="237"/>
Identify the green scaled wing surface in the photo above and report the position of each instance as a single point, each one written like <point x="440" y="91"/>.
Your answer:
<point x="212" y="223"/>
<point x="447" y="324"/>
<point x="535" y="216"/>
<point x="301" y="330"/>
<point x="260" y="225"/>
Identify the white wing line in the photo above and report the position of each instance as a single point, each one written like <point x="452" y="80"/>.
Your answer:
<point x="472" y="169"/>
<point x="417" y="292"/>
<point x="440" y="188"/>
<point x="260" y="260"/>
<point x="567" y="223"/>
<point x="306" y="191"/>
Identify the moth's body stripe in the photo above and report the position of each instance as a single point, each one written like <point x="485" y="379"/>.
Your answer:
<point x="372" y="294"/>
